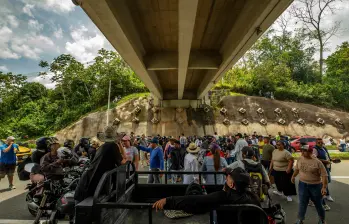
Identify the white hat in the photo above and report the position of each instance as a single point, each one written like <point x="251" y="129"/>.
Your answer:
<point x="10" y="138"/>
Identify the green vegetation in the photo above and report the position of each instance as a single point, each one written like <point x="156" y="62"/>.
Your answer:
<point x="33" y="110"/>
<point x="337" y="155"/>
<point x="283" y="64"/>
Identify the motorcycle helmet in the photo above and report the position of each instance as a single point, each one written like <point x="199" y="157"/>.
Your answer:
<point x="84" y="142"/>
<point x="64" y="153"/>
<point x="69" y="144"/>
<point x="43" y="143"/>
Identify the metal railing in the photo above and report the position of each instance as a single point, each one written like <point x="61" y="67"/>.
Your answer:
<point x="199" y="173"/>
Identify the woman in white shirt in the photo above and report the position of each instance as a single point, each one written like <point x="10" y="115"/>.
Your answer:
<point x="191" y="164"/>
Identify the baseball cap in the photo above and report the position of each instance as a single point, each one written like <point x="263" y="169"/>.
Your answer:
<point x="126" y="138"/>
<point x="154" y="140"/>
<point x="239" y="134"/>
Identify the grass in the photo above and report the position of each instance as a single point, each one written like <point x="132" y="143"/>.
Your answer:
<point x="121" y="101"/>
<point x="339" y="155"/>
<point x="236" y="94"/>
<point x="331" y="147"/>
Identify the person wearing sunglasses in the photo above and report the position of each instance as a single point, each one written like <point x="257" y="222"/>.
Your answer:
<point x="312" y="183"/>
<point x="281" y="167"/>
<point x="322" y="154"/>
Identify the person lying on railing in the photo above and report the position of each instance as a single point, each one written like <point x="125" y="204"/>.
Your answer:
<point x="156" y="159"/>
<point x="235" y="191"/>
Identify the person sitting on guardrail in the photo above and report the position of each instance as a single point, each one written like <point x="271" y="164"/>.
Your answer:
<point x="235" y="191"/>
<point x="156" y="160"/>
<point x="107" y="158"/>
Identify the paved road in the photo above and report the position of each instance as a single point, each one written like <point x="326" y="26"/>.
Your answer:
<point x="13" y="207"/>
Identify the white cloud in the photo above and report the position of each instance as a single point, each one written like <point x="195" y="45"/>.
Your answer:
<point x="29" y="46"/>
<point x="32" y="46"/>
<point x="35" y="25"/>
<point x="45" y="80"/>
<point x="57" y="6"/>
<point x="27" y="9"/>
<point x="3" y="68"/>
<point x="12" y="20"/>
<point x="84" y="47"/>
<point x="58" y="33"/>
<point x="5" y="37"/>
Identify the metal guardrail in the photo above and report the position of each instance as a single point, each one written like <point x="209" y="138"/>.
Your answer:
<point x="113" y="190"/>
<point x="200" y="173"/>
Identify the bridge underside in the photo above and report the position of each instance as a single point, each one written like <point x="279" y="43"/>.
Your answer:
<point x="181" y="48"/>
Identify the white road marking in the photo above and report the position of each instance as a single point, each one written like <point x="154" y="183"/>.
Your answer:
<point x="14" y="221"/>
<point x="339" y="177"/>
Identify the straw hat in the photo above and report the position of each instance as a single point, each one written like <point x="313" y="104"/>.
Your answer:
<point x="192" y="148"/>
<point x="109" y="134"/>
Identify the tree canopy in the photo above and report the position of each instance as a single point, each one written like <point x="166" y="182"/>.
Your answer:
<point x="29" y="108"/>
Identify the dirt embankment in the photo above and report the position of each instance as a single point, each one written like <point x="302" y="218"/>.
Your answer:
<point x="198" y="122"/>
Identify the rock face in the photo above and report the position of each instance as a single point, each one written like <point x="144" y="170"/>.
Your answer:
<point x="262" y="115"/>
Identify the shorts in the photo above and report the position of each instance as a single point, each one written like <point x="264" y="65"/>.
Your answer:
<point x="7" y="169"/>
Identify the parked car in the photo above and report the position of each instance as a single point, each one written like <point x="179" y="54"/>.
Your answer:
<point x="23" y="153"/>
<point x="296" y="143"/>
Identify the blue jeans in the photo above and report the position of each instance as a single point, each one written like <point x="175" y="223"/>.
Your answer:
<point x="343" y="147"/>
<point x="312" y="192"/>
<point x="230" y="160"/>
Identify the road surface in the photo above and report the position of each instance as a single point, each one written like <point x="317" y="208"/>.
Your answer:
<point x="13" y="208"/>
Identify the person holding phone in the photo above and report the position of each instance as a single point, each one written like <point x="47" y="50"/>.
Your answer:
<point x="312" y="183"/>
<point x="8" y="160"/>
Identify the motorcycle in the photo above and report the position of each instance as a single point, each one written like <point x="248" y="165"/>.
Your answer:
<point x="53" y="198"/>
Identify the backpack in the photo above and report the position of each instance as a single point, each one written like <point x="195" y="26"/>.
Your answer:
<point x="195" y="189"/>
<point x="201" y="156"/>
<point x="255" y="172"/>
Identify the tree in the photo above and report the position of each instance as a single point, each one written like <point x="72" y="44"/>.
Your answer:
<point x="312" y="14"/>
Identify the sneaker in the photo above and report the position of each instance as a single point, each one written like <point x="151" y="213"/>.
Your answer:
<point x="299" y="222"/>
<point x="329" y="198"/>
<point x="311" y="203"/>
<point x="12" y="187"/>
<point x="326" y="207"/>
<point x="289" y="199"/>
<point x="322" y="222"/>
<point x="278" y="193"/>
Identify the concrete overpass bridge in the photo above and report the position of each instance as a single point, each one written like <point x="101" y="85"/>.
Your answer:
<point x="181" y="48"/>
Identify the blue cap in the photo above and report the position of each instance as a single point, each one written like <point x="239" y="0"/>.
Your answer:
<point x="155" y="140"/>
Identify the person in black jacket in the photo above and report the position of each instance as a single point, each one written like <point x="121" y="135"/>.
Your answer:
<point x="235" y="192"/>
<point x="177" y="161"/>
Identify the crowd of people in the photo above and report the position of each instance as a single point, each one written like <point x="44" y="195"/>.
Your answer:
<point x="266" y="160"/>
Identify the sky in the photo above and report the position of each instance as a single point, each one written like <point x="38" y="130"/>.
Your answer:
<point x="34" y="30"/>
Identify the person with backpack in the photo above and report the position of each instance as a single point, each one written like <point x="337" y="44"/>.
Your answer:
<point x="177" y="161"/>
<point x="259" y="175"/>
<point x="235" y="191"/>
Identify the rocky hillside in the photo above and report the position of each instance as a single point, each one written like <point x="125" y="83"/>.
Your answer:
<point x="241" y="114"/>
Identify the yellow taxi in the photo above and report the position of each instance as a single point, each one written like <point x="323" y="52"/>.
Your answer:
<point x="23" y="153"/>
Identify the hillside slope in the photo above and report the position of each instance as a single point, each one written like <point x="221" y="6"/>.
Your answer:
<point x="198" y="122"/>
